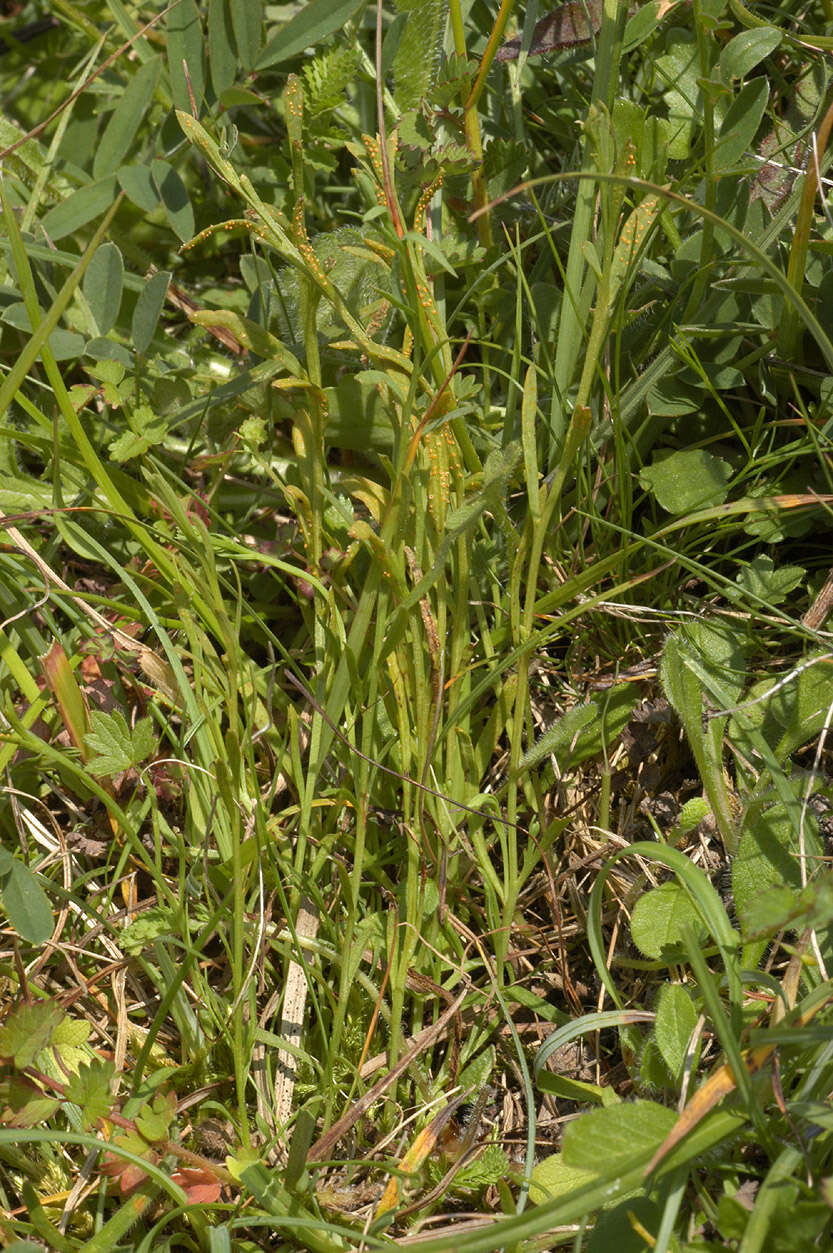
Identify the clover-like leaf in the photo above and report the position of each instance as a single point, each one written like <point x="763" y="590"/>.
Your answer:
<point x="154" y="1120"/>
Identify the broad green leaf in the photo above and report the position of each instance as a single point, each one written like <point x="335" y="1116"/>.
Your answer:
<point x="70" y="1042"/>
<point x="30" y="160"/>
<point x="620" y="1227"/>
<point x="616" y="1135"/>
<point x="747" y="50"/>
<point x="487" y="1169"/>
<point x="675" y="1022"/>
<point x="136" y="181"/>
<point x="222" y="50"/>
<point x="765" y="913"/>
<point x="80" y="208"/>
<point x="19" y="494"/>
<point x="103" y="285"/>
<point x="24" y="901"/>
<point x="358" y="416"/>
<point x="247" y="20"/>
<point x="313" y="23"/>
<point x="686" y="480"/>
<point x="146" y="430"/>
<point x="234" y="96"/>
<point x="24" y="1104"/>
<point x="691" y="815"/>
<point x="553" y="1178"/>
<point x="768" y="855"/>
<point x="116" y="745"/>
<point x="740" y="125"/>
<point x="90" y="1089"/>
<point x="760" y="577"/>
<point x="126" y="118"/>
<point x="64" y="345"/>
<point x="27" y="1030"/>
<point x="799" y="709"/>
<point x="185" y="44"/>
<point x="391" y="41"/>
<point x="658" y="919"/>
<point x="671" y="398"/>
<point x="717" y="650"/>
<point x="152" y="924"/>
<point x="148" y="308"/>
<point x="174" y="197"/>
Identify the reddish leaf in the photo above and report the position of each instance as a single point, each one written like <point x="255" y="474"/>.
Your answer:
<point x="127" y="1176"/>
<point x="200" y="1186"/>
<point x="64" y="687"/>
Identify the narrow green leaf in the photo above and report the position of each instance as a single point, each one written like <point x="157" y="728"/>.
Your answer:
<point x="103" y="286"/>
<point x="222" y="50"/>
<point x="741" y="123"/>
<point x="642" y="24"/>
<point x="25" y="902"/>
<point x="586" y="1025"/>
<point x="418" y="55"/>
<point x="313" y="23"/>
<point x="80" y="208"/>
<point x="675" y="1022"/>
<point x="148" y="308"/>
<point x="126" y="119"/>
<point x="560" y="736"/>
<point x="529" y="406"/>
<point x="247" y="19"/>
<point x="684" y="689"/>
<point x="174" y="197"/>
<point x="185" y="45"/>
